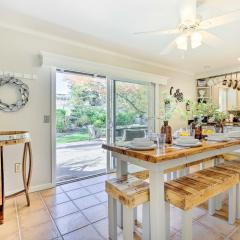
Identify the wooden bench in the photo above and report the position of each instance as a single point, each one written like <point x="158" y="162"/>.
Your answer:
<point x="130" y="192"/>
<point x="144" y="174"/>
<point x="194" y="189"/>
<point x="234" y="156"/>
<point x="185" y="193"/>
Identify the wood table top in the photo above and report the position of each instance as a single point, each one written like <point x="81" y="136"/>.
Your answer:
<point x="14" y="137"/>
<point x="171" y="152"/>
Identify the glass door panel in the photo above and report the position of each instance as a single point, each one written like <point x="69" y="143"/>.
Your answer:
<point x="134" y="110"/>
<point x="81" y="119"/>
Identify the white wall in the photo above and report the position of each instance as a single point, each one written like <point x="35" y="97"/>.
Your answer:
<point x="20" y="53"/>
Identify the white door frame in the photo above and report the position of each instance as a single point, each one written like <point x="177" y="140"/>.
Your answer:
<point x="109" y="123"/>
<point x="53" y="125"/>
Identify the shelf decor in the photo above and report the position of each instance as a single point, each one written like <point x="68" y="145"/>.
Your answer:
<point x="21" y="88"/>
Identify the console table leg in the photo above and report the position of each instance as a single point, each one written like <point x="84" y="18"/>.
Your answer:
<point x="27" y="179"/>
<point x="2" y="187"/>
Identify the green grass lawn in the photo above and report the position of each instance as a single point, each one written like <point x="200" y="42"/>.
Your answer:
<point x="73" y="137"/>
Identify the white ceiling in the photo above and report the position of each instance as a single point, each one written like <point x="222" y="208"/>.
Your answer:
<point x="113" y="22"/>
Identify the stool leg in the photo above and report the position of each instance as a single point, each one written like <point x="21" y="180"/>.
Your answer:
<point x="219" y="197"/>
<point x="187" y="225"/>
<point x="180" y="173"/>
<point x="174" y="175"/>
<point x="232" y="205"/>
<point x="167" y="217"/>
<point x="134" y="216"/>
<point x="211" y="206"/>
<point x="168" y="176"/>
<point x="238" y="201"/>
<point x="186" y="171"/>
<point x="202" y="166"/>
<point x="146" y="221"/>
<point x="127" y="223"/>
<point x="112" y="218"/>
<point x="119" y="215"/>
<point x="218" y="203"/>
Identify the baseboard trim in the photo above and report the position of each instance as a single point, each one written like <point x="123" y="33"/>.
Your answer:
<point x="33" y="188"/>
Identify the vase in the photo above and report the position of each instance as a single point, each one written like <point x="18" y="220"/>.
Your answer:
<point x="198" y="132"/>
<point x="198" y="129"/>
<point x="166" y="129"/>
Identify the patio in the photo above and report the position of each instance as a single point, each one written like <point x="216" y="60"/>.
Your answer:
<point x="80" y="159"/>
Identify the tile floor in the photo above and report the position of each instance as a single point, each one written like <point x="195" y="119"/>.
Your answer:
<point x="78" y="211"/>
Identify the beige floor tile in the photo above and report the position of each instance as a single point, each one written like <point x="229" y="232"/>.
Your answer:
<point x="63" y="209"/>
<point x="235" y="235"/>
<point x="198" y="212"/>
<point x="56" y="199"/>
<point x="216" y="224"/>
<point x="86" y="202"/>
<point x="9" y="230"/>
<point x="36" y="205"/>
<point x="96" y="188"/>
<point x="51" y="191"/>
<point x="78" y="193"/>
<point x="34" y="218"/>
<point x="96" y="213"/>
<point x="92" y="181"/>
<point x="44" y="231"/>
<point x="71" y="222"/>
<point x="201" y="232"/>
<point x="86" y="233"/>
<point x="71" y="186"/>
<point x="102" y="196"/>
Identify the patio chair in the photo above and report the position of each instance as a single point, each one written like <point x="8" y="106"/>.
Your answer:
<point x="130" y="134"/>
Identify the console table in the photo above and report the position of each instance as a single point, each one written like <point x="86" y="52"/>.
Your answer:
<point x="8" y="138"/>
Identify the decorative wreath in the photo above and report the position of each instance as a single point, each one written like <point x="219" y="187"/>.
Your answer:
<point x="22" y="89"/>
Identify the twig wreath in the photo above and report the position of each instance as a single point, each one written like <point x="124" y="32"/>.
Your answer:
<point x="21" y="87"/>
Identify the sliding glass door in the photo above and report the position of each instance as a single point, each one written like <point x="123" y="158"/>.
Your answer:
<point x="92" y="110"/>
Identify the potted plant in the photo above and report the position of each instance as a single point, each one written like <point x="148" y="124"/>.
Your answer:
<point x="219" y="118"/>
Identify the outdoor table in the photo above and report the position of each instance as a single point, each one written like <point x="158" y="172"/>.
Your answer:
<point x="156" y="162"/>
<point x="8" y="138"/>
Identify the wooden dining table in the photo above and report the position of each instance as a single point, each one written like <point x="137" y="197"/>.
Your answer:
<point x="157" y="161"/>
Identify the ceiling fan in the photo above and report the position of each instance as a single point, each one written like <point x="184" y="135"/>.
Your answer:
<point x="192" y="30"/>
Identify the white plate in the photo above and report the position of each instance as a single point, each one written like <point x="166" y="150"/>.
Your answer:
<point x="218" y="139"/>
<point x="187" y="144"/>
<point x="142" y="148"/>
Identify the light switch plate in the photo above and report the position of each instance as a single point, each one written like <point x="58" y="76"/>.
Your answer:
<point x="46" y="119"/>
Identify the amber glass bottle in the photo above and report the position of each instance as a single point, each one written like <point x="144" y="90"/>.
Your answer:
<point x="166" y="129"/>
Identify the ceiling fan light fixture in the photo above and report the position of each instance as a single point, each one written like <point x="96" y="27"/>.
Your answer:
<point x="182" y="42"/>
<point x="196" y="39"/>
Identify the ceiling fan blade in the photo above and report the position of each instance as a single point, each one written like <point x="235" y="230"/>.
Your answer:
<point x="159" y="32"/>
<point x="221" y="20"/>
<point x="169" y="48"/>
<point x="188" y="11"/>
<point x="211" y="39"/>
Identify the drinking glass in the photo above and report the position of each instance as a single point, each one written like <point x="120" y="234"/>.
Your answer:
<point x="161" y="141"/>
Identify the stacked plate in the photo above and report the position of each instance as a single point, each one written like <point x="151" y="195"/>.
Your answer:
<point x="187" y="141"/>
<point x="141" y="144"/>
<point x="218" y="137"/>
<point x="234" y="134"/>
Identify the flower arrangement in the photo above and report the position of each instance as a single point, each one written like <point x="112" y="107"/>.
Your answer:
<point x="168" y="108"/>
<point x="204" y="111"/>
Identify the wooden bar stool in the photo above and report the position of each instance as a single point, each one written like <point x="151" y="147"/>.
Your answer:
<point x="194" y="189"/>
<point x="130" y="192"/>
